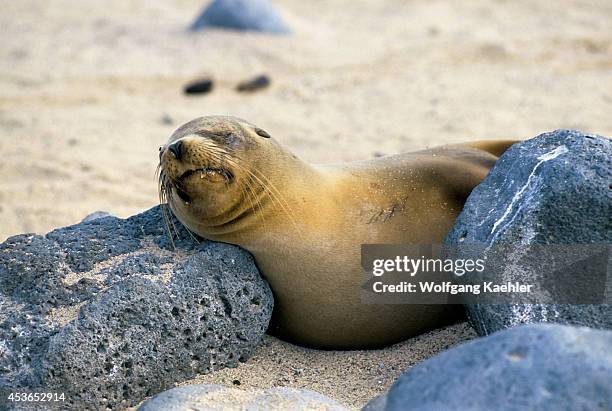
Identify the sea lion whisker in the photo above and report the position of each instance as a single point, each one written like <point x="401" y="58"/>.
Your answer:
<point x="163" y="206"/>
<point x="249" y="193"/>
<point x="168" y="217"/>
<point x="191" y="233"/>
<point x="167" y="226"/>
<point x="264" y="187"/>
<point x="275" y="198"/>
<point x="268" y="184"/>
<point x="167" y="213"/>
<point x="249" y="186"/>
<point x="157" y="171"/>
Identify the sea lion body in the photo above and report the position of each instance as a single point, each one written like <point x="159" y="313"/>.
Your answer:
<point x="305" y="225"/>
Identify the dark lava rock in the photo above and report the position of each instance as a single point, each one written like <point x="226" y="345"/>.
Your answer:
<point x="217" y="397"/>
<point x="251" y="15"/>
<point x="550" y="192"/>
<point x="254" y="84"/>
<point x="201" y="86"/>
<point x="532" y="367"/>
<point x="109" y="313"/>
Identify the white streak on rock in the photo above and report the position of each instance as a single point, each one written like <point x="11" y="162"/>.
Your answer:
<point x="553" y="154"/>
<point x="543" y="158"/>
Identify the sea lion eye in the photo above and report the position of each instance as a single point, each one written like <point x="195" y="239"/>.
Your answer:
<point x="262" y="133"/>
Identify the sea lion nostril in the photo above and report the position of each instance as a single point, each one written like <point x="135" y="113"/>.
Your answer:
<point x="176" y="149"/>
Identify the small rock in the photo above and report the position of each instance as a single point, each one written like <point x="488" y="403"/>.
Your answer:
<point x="254" y="84"/>
<point x="433" y="31"/>
<point x="199" y="86"/>
<point x="533" y="367"/>
<point x="167" y="120"/>
<point x="552" y="190"/>
<point x="251" y="15"/>
<point x="217" y="397"/>
<point x="109" y="313"/>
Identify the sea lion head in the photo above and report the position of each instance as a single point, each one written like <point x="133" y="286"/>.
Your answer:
<point x="213" y="169"/>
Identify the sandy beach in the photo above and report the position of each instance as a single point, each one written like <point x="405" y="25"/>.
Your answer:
<point x="91" y="89"/>
<point x="350" y="377"/>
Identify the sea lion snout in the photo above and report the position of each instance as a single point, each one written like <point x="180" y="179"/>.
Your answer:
<point x="194" y="156"/>
<point x="199" y="175"/>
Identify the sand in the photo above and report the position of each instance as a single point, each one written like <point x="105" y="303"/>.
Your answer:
<point x="350" y="377"/>
<point x="90" y="89"/>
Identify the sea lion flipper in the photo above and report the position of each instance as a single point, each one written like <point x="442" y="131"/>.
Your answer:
<point x="495" y="147"/>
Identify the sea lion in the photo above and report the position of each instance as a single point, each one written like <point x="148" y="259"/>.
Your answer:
<point x="228" y="180"/>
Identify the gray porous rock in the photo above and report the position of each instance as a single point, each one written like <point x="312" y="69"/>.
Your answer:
<point x="216" y="397"/>
<point x="546" y="367"/>
<point x="250" y="15"/>
<point x="552" y="193"/>
<point x="108" y="313"/>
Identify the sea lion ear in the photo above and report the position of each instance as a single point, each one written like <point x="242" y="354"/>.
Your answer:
<point x="261" y="132"/>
